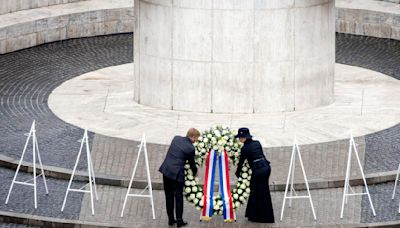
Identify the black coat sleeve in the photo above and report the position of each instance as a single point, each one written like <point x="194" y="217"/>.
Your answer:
<point x="241" y="161"/>
<point x="192" y="163"/>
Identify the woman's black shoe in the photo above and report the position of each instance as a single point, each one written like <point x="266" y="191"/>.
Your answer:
<point x="180" y="224"/>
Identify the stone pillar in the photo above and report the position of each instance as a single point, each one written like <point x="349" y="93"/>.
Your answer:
<point x="234" y="56"/>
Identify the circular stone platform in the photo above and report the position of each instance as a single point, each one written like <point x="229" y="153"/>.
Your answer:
<point x="365" y="101"/>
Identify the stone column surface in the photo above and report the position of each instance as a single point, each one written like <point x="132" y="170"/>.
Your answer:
<point x="234" y="56"/>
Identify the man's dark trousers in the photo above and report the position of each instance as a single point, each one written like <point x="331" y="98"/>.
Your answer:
<point x="173" y="191"/>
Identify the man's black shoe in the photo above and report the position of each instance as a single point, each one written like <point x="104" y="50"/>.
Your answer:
<point x="180" y="224"/>
<point x="171" y="223"/>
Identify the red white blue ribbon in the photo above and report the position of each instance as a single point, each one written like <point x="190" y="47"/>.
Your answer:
<point x="225" y="187"/>
<point x="208" y="192"/>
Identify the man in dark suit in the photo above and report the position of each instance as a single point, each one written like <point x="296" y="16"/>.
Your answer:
<point x="180" y="151"/>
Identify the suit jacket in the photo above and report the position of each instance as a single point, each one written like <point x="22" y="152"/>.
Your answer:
<point x="180" y="151"/>
<point x="251" y="150"/>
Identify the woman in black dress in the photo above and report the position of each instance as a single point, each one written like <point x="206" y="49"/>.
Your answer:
<point x="259" y="206"/>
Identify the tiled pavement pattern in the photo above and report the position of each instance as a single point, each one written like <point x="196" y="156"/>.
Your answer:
<point x="116" y="157"/>
<point x="21" y="198"/>
<point x="32" y="74"/>
<point x="386" y="208"/>
<point x="327" y="203"/>
<point x="27" y="78"/>
<point x="382" y="55"/>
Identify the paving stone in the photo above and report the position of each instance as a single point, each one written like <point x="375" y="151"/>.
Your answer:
<point x="386" y="208"/>
<point x="327" y="204"/>
<point x="27" y="79"/>
<point x="21" y="198"/>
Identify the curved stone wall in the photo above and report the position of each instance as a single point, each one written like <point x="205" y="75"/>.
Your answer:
<point x="29" y="28"/>
<point x="9" y="6"/>
<point x="234" y="56"/>
<point x="368" y="18"/>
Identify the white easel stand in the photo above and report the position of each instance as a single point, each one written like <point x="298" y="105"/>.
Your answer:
<point x="352" y="146"/>
<point x="92" y="178"/>
<point x="296" y="150"/>
<point x="149" y="186"/>
<point x="35" y="150"/>
<point x="395" y="184"/>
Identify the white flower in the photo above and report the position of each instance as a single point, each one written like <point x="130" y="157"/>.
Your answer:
<point x="205" y="140"/>
<point x="244" y="169"/>
<point x="188" y="190"/>
<point x="215" y="147"/>
<point x="198" y="208"/>
<point x="192" y="196"/>
<point x="247" y="190"/>
<point x="200" y="138"/>
<point x="203" y="150"/>
<point x="243" y="186"/>
<point x="187" y="183"/>
<point x="196" y="179"/>
<point x="209" y="136"/>
<point x="228" y="148"/>
<point x="199" y="195"/>
<point x="219" y="212"/>
<point x="201" y="145"/>
<point x="220" y="142"/>
<point x="216" y="207"/>
<point x="245" y="194"/>
<point x="245" y="175"/>
<point x="194" y="189"/>
<point x="235" y="196"/>
<point x="190" y="177"/>
<point x="237" y="204"/>
<point x="219" y="202"/>
<point x="240" y="191"/>
<point x="187" y="166"/>
<point x="241" y="198"/>
<point x="217" y="133"/>
<point x="226" y="138"/>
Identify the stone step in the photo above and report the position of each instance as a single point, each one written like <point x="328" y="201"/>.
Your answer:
<point x="369" y="18"/>
<point x="139" y="183"/>
<point x="108" y="207"/>
<point x="33" y="27"/>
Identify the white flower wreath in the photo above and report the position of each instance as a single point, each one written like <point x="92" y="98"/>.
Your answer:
<point x="217" y="138"/>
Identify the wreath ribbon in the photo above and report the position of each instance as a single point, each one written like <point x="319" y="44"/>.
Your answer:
<point x="224" y="184"/>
